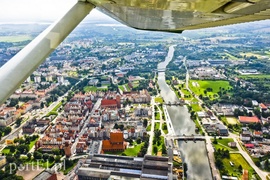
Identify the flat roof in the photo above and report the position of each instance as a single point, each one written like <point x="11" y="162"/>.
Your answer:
<point x="94" y="172"/>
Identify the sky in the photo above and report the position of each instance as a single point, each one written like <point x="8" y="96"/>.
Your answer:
<point x="16" y="11"/>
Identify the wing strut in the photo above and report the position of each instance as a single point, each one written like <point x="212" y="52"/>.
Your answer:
<point x="23" y="64"/>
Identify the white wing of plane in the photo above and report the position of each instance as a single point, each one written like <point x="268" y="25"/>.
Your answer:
<point x="157" y="15"/>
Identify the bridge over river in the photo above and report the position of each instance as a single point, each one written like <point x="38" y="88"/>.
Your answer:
<point x="175" y="103"/>
<point x="187" y="137"/>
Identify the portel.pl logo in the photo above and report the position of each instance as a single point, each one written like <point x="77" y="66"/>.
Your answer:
<point x="36" y="166"/>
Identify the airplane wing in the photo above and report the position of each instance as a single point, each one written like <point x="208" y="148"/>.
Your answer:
<point x="179" y="15"/>
<point x="157" y="15"/>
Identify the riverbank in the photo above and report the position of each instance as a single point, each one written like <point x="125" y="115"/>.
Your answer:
<point x="179" y="122"/>
<point x="168" y="121"/>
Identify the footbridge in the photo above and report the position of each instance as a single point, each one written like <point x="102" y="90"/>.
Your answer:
<point x="176" y="103"/>
<point x="187" y="137"/>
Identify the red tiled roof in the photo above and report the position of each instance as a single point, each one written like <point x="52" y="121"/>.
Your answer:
<point x="116" y="137"/>
<point x="249" y="145"/>
<point x="247" y="119"/>
<point x="263" y="106"/>
<point x="106" y="102"/>
<point x="257" y="132"/>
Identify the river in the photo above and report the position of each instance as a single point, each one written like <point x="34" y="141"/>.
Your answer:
<point x="194" y="154"/>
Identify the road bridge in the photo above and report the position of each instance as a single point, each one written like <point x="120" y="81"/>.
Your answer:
<point x="187" y="137"/>
<point x="176" y="103"/>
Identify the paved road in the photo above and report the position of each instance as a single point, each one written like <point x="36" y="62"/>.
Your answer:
<point x="96" y="106"/>
<point x="168" y="121"/>
<point x="211" y="158"/>
<point x="151" y="133"/>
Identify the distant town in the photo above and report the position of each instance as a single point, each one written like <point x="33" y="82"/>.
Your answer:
<point x="103" y="106"/>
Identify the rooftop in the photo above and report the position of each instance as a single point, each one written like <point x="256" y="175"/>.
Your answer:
<point x="247" y="119"/>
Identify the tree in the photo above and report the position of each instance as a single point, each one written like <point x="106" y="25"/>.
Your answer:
<point x="139" y="140"/>
<point x="45" y="156"/>
<point x="42" y="104"/>
<point x="116" y="126"/>
<point x="37" y="155"/>
<point x="215" y="140"/>
<point x="145" y="122"/>
<point x="7" y="130"/>
<point x="219" y="163"/>
<point x="29" y="155"/>
<point x="158" y="142"/>
<point x="240" y="168"/>
<point x="157" y="133"/>
<point x="57" y="158"/>
<point x="12" y="148"/>
<point x="154" y="141"/>
<point x="266" y="164"/>
<point x="13" y="102"/>
<point x="155" y="149"/>
<point x="51" y="158"/>
<point x="17" y="155"/>
<point x="56" y="151"/>
<point x="257" y="112"/>
<point x="22" y="148"/>
<point x="18" y="122"/>
<point x="164" y="150"/>
<point x="185" y="169"/>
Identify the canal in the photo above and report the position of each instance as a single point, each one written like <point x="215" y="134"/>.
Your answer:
<point x="194" y="154"/>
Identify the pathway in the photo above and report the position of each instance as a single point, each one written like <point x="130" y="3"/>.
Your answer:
<point x="151" y="133"/>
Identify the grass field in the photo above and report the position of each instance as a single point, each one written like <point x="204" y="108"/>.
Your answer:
<point x="158" y="100"/>
<point x="238" y="160"/>
<point x="198" y="126"/>
<point x="134" y="151"/>
<point x="231" y="56"/>
<point x="89" y="88"/>
<point x="73" y="74"/>
<point x="93" y="88"/>
<point x="187" y="95"/>
<point x="121" y="87"/>
<point x="157" y="126"/>
<point x="232" y="120"/>
<point x="18" y="38"/>
<point x="148" y="128"/>
<point x="135" y="84"/>
<point x="251" y="54"/>
<point x="5" y="150"/>
<point x="57" y="106"/>
<point x="165" y="128"/>
<point x="51" y="113"/>
<point x="32" y="143"/>
<point x="157" y="115"/>
<point x="205" y="84"/>
<point x="124" y="87"/>
<point x="196" y="107"/>
<point x="255" y="76"/>
<point x="223" y="144"/>
<point x="129" y="151"/>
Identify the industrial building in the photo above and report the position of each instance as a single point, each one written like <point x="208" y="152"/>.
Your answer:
<point x="122" y="167"/>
